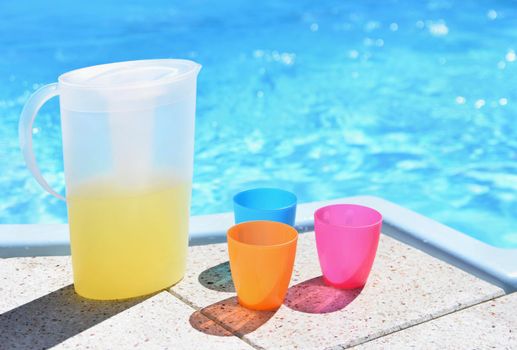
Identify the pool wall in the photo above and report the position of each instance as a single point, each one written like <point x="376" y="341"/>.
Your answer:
<point x="493" y="264"/>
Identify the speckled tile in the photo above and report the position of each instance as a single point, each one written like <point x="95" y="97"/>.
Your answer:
<point x="490" y="325"/>
<point x="207" y="279"/>
<point x="406" y="287"/>
<point x="160" y="322"/>
<point x="39" y="309"/>
<point x="25" y="279"/>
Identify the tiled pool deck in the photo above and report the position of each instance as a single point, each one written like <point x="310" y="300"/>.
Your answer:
<point x="411" y="300"/>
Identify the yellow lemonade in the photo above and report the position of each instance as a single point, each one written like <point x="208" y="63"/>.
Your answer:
<point x="125" y="244"/>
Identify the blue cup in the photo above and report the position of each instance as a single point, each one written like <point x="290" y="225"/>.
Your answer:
<point x="270" y="204"/>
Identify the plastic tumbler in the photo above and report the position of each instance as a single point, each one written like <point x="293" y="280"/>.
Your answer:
<point x="261" y="261"/>
<point x="270" y="204"/>
<point x="347" y="236"/>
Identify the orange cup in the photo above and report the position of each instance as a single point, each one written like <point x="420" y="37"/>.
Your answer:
<point x="261" y="260"/>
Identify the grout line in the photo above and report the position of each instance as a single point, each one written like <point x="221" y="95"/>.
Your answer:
<point x="437" y="317"/>
<point x="215" y="320"/>
<point x="184" y="300"/>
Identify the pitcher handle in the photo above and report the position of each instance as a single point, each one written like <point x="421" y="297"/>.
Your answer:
<point x="29" y="112"/>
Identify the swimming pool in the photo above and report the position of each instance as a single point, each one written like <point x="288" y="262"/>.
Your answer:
<point x="412" y="102"/>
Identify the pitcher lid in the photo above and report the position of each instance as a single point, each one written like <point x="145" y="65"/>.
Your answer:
<point x="130" y="74"/>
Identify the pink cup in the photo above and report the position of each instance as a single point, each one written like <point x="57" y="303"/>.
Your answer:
<point x="347" y="236"/>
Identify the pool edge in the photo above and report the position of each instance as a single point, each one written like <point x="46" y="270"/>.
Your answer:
<point x="495" y="265"/>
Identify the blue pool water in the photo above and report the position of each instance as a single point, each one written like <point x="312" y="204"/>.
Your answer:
<point x="413" y="101"/>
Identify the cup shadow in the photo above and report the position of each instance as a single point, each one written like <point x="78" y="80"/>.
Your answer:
<point x="218" y="278"/>
<point x="235" y="318"/>
<point x="55" y="317"/>
<point x="315" y="297"/>
<point x="205" y="325"/>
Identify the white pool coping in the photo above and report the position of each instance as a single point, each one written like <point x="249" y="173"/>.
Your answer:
<point x="496" y="265"/>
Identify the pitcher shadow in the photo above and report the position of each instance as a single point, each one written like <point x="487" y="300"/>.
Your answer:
<point x="55" y="317"/>
<point x="226" y="317"/>
<point x="315" y="297"/>
<point x="218" y="278"/>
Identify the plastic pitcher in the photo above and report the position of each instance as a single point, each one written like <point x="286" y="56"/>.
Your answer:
<point x="128" y="143"/>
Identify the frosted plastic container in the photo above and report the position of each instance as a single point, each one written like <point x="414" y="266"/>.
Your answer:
<point x="128" y="142"/>
<point x="272" y="204"/>
<point x="347" y="236"/>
